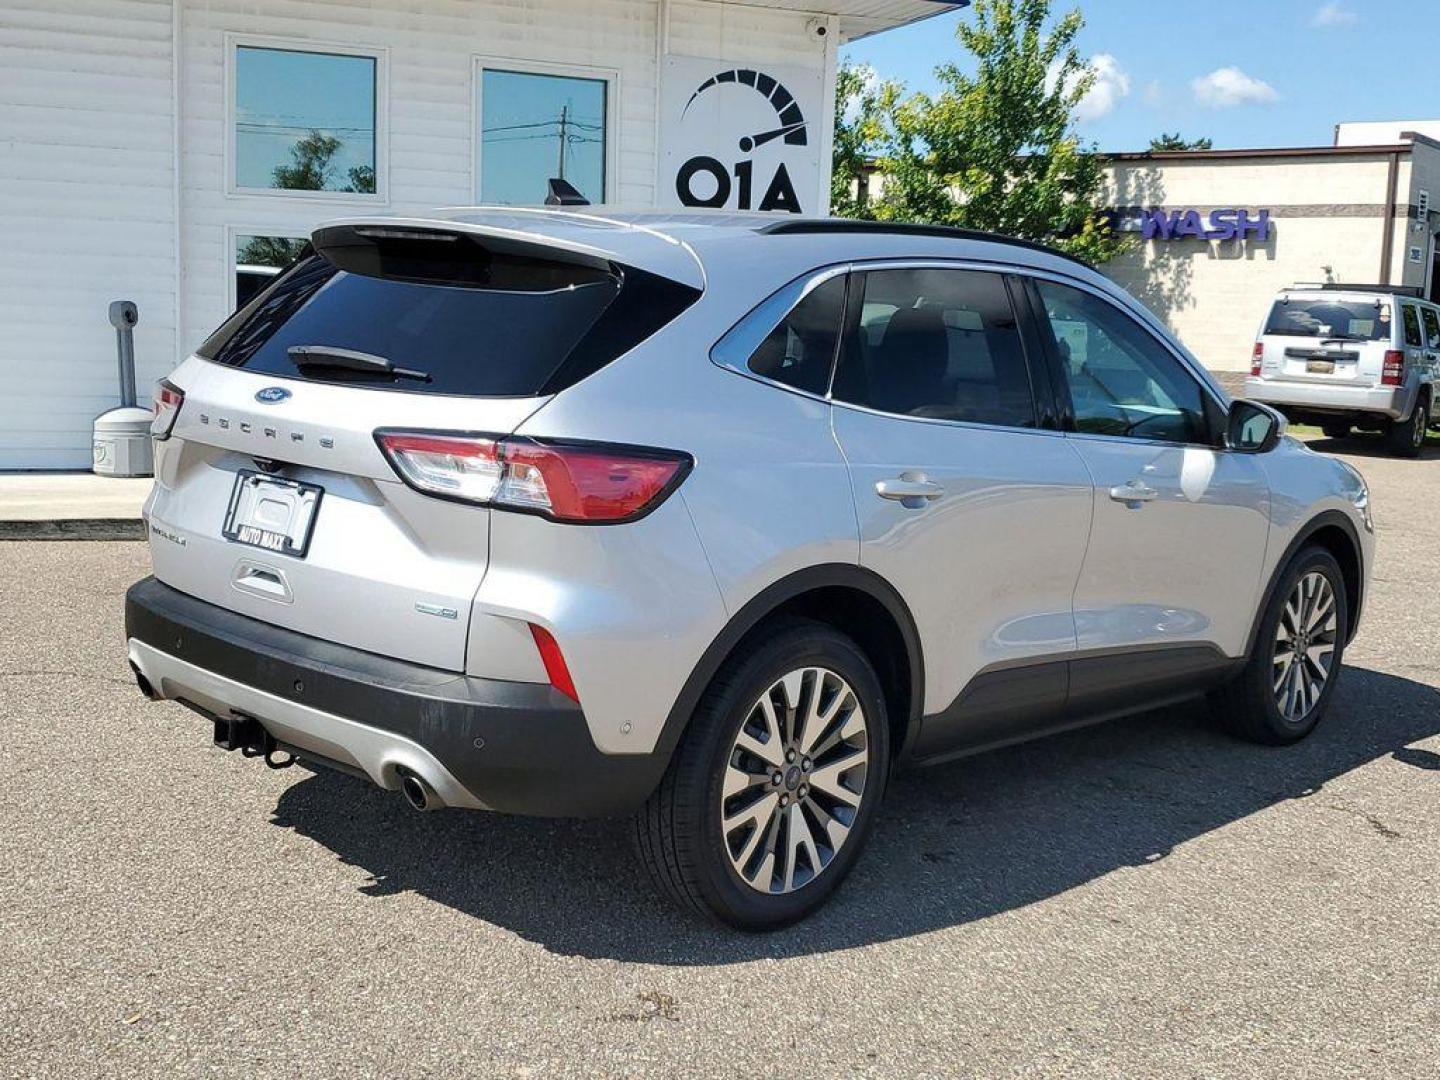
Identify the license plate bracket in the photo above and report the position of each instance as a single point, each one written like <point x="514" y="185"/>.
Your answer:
<point x="272" y="513"/>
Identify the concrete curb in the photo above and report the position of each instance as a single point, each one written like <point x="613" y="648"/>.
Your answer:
<point x="74" y="529"/>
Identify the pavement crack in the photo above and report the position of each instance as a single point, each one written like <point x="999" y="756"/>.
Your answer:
<point x="1370" y="819"/>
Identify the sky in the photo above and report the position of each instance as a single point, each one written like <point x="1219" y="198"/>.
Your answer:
<point x="1244" y="73"/>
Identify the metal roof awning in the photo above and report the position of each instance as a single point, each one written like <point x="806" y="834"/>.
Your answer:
<point x="861" y="18"/>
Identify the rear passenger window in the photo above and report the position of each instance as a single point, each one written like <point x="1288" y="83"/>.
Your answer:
<point x="1432" y="327"/>
<point x="1412" y="326"/>
<point x="937" y="343"/>
<point x="801" y="349"/>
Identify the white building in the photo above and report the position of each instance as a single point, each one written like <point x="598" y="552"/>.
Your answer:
<point x="145" y="145"/>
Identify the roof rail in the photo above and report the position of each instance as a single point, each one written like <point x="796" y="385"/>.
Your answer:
<point x="813" y="226"/>
<point x="1413" y="291"/>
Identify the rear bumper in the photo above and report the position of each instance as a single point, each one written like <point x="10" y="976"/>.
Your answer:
<point x="1394" y="402"/>
<point x="514" y="747"/>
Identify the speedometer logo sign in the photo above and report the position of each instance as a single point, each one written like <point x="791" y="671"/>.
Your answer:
<point x="699" y="174"/>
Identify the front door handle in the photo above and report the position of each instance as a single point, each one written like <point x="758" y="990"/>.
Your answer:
<point x="1133" y="492"/>
<point x="909" y="489"/>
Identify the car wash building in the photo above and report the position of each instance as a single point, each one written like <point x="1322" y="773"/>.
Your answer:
<point x="1218" y="232"/>
<point x="175" y="152"/>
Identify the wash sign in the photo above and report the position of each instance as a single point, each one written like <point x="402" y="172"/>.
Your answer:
<point x="1226" y="224"/>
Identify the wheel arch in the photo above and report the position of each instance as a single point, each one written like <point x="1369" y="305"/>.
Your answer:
<point x="855" y="601"/>
<point x="1336" y="533"/>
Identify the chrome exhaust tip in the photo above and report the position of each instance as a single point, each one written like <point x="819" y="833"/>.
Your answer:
<point x="418" y="793"/>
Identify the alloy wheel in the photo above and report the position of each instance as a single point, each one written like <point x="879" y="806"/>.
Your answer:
<point x="1418" y="433"/>
<point x="1304" y="646"/>
<point x="794" y="780"/>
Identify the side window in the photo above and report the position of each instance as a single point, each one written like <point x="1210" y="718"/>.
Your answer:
<point x="801" y="349"/>
<point x="1432" y="327"/>
<point x="1412" y="325"/>
<point x="1122" y="381"/>
<point x="937" y="343"/>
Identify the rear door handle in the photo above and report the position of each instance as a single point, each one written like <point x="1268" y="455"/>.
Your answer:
<point x="913" y="491"/>
<point x="1133" y="492"/>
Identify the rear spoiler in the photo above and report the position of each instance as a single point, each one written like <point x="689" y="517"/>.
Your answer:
<point x="585" y="244"/>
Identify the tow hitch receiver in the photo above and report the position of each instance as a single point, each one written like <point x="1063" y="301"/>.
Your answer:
<point x="246" y="734"/>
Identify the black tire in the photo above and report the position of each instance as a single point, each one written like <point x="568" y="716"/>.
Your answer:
<point x="1404" y="438"/>
<point x="679" y="832"/>
<point x="1249" y="704"/>
<point x="1336" y="430"/>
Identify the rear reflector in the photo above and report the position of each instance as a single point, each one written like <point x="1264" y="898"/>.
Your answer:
<point x="569" y="482"/>
<point x="1393" y="373"/>
<point x="167" y="402"/>
<point x="1257" y="358"/>
<point x="554" y="661"/>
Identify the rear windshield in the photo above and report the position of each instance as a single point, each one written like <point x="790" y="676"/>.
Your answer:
<point x="1323" y="317"/>
<point x="545" y="330"/>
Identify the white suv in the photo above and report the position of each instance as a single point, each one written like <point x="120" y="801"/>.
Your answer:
<point x="1346" y="356"/>
<point x="713" y="521"/>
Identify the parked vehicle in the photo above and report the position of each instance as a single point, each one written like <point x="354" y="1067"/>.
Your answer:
<point x="714" y="521"/>
<point x="1352" y="356"/>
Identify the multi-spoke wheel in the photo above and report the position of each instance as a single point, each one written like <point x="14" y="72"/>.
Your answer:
<point x="1288" y="681"/>
<point x="795" y="780"/>
<point x="773" y="787"/>
<point x="1304" y="646"/>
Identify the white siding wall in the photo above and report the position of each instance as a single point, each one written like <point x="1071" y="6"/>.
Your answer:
<point x="86" y="213"/>
<point x="430" y="54"/>
<point x="87" y="176"/>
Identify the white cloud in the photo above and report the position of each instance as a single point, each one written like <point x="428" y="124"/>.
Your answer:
<point x="1333" y="14"/>
<point x="1110" y="84"/>
<point x="1229" y="86"/>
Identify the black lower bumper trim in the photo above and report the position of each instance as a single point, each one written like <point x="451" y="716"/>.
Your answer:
<point x="520" y="748"/>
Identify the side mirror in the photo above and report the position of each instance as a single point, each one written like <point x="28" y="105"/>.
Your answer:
<point x="1252" y="428"/>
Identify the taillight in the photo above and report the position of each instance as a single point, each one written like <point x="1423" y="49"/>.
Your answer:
<point x="569" y="482"/>
<point x="168" y="399"/>
<point x="1393" y="373"/>
<point x="1257" y="358"/>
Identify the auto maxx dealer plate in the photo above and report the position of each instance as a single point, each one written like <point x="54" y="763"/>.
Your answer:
<point x="272" y="513"/>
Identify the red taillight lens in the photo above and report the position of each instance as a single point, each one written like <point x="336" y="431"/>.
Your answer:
<point x="167" y="402"/>
<point x="1257" y="358"/>
<point x="564" y="482"/>
<point x="554" y="661"/>
<point x="1393" y="373"/>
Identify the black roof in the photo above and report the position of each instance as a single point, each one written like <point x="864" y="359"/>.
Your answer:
<point x="812" y="226"/>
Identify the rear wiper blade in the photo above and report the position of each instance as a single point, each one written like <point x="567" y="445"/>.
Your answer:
<point x="329" y="356"/>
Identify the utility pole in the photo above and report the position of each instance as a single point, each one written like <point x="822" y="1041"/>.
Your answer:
<point x="564" y="136"/>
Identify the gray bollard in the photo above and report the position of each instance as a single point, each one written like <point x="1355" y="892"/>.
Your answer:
<point x="121" y="438"/>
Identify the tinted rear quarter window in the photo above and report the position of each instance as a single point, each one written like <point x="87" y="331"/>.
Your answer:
<point x="1412" y="326"/>
<point x="799" y="352"/>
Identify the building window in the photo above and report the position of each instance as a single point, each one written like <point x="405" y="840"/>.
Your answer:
<point x="305" y="121"/>
<point x="258" y="259"/>
<point x="541" y="125"/>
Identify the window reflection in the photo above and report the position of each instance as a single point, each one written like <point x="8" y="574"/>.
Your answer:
<point x="258" y="259"/>
<point x="304" y="121"/>
<point x="535" y="127"/>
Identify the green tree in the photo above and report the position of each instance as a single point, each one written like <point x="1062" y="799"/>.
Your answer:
<point x="997" y="149"/>
<point x="861" y="106"/>
<point x="275" y="251"/>
<point x="311" y="169"/>
<point x="1166" y="141"/>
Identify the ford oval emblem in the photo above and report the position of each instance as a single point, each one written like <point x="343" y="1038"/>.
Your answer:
<point x="271" y="394"/>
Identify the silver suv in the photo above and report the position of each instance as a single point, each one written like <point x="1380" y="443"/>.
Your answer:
<point x="1352" y="356"/>
<point x="714" y="521"/>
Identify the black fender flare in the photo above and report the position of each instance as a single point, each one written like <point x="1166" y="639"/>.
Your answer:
<point x="766" y="602"/>
<point x="1303" y="536"/>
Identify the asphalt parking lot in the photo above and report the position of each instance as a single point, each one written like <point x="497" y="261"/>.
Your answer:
<point x="1143" y="899"/>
